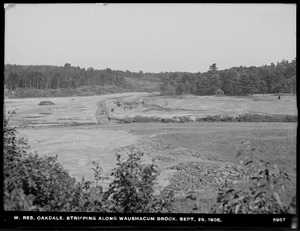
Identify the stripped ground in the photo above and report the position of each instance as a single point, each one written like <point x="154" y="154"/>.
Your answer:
<point x="82" y="110"/>
<point x="192" y="158"/>
<point x="78" y="147"/>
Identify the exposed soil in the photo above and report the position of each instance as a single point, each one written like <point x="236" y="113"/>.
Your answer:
<point x="82" y="110"/>
<point x="194" y="158"/>
<point x="196" y="176"/>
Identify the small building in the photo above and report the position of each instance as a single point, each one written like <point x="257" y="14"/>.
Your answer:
<point x="219" y="92"/>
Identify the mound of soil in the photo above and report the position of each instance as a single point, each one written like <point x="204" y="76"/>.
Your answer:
<point x="44" y="103"/>
<point x="183" y="170"/>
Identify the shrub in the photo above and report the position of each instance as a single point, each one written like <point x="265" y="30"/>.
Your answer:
<point x="216" y="118"/>
<point x="132" y="189"/>
<point x="139" y="118"/>
<point x="290" y="118"/>
<point x="166" y="120"/>
<point x="184" y="119"/>
<point x="40" y="183"/>
<point x="250" y="118"/>
<point x="125" y="120"/>
<point x="14" y="150"/>
<point x="259" y="191"/>
<point x="228" y="119"/>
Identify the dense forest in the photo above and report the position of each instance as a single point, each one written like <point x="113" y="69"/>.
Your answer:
<point x="54" y="77"/>
<point x="279" y="78"/>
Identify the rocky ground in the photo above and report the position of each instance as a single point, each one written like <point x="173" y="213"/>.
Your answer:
<point x="194" y="177"/>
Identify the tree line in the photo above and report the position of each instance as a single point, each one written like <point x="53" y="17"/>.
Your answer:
<point x="55" y="77"/>
<point x="279" y="78"/>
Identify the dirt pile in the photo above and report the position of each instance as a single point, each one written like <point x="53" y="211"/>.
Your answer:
<point x="203" y="175"/>
<point x="44" y="103"/>
<point x="191" y="170"/>
<point x="184" y="170"/>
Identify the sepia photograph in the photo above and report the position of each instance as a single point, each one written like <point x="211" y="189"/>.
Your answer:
<point x="153" y="115"/>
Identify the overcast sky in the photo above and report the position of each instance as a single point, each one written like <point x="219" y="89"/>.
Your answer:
<point x="150" y="37"/>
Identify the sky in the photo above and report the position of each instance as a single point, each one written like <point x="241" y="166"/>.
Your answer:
<point x="150" y="37"/>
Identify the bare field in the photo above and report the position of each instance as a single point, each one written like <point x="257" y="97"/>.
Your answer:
<point x="65" y="110"/>
<point x="191" y="156"/>
<point x="78" y="147"/>
<point x="68" y="110"/>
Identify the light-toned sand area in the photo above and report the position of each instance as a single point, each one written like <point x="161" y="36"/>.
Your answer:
<point x="68" y="110"/>
<point x="78" y="147"/>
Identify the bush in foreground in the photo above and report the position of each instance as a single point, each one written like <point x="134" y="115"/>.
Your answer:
<point x="34" y="183"/>
<point x="259" y="191"/>
<point x="132" y="189"/>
